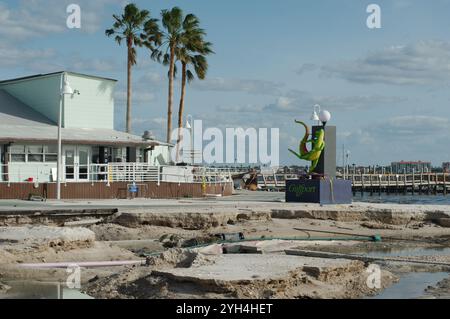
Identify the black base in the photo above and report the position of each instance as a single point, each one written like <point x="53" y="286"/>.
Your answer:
<point x="321" y="191"/>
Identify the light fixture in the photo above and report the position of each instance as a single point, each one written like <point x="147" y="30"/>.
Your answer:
<point x="67" y="89"/>
<point x="324" y="117"/>
<point x="188" y="125"/>
<point x="148" y="136"/>
<point x="315" y="115"/>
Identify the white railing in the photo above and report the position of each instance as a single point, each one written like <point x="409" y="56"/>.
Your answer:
<point x="113" y="172"/>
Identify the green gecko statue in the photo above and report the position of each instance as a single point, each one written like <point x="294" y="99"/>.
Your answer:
<point x="318" y="145"/>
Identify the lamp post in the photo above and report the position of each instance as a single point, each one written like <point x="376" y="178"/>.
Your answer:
<point x="190" y="127"/>
<point x="65" y="90"/>
<point x="324" y="117"/>
<point x="315" y="115"/>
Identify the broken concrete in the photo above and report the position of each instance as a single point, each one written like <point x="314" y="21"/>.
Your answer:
<point x="187" y="220"/>
<point x="194" y="275"/>
<point x="37" y="236"/>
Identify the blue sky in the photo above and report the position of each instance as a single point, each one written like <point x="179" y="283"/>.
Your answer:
<point x="388" y="89"/>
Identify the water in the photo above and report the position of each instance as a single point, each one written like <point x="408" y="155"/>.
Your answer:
<point x="411" y="252"/>
<point x="412" y="285"/>
<point x="404" y="199"/>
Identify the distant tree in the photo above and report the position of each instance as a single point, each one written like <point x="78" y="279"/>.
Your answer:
<point x="135" y="27"/>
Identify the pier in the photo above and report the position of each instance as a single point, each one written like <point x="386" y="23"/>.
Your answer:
<point x="421" y="183"/>
<point x="413" y="183"/>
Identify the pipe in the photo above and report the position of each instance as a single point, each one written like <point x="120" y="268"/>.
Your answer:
<point x="358" y="238"/>
<point x="94" y="264"/>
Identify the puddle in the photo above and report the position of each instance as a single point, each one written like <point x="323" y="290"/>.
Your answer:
<point x="411" y="286"/>
<point x="408" y="252"/>
<point x="42" y="290"/>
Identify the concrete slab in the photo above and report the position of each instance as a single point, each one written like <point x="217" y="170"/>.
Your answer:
<point x="45" y="236"/>
<point x="211" y="212"/>
<point x="238" y="268"/>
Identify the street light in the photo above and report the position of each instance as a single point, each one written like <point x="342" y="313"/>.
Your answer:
<point x="324" y="117"/>
<point x="190" y="127"/>
<point x="65" y="90"/>
<point x="316" y="111"/>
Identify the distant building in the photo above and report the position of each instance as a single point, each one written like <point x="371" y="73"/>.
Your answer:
<point x="410" y="167"/>
<point x="446" y="167"/>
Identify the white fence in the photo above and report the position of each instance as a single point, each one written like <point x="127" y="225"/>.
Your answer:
<point x="114" y="172"/>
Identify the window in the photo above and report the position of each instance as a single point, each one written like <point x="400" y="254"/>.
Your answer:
<point x="33" y="154"/>
<point x="51" y="153"/>
<point x="119" y="155"/>
<point x="18" y="154"/>
<point x="140" y="158"/>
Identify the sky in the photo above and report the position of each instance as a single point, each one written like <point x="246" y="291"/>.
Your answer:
<point x="388" y="89"/>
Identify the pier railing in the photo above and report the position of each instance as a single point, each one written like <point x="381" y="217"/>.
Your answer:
<point x="114" y="172"/>
<point x="401" y="183"/>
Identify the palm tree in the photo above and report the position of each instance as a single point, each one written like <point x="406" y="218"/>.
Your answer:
<point x="172" y="22"/>
<point x="192" y="53"/>
<point x="133" y="26"/>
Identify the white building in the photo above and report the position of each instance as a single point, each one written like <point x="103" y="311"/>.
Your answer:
<point x="29" y="110"/>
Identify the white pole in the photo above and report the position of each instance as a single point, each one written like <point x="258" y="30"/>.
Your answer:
<point x="58" y="169"/>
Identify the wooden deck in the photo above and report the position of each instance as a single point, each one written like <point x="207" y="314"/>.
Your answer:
<point x="115" y="190"/>
<point x="422" y="183"/>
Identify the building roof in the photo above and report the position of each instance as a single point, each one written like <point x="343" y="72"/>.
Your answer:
<point x="50" y="74"/>
<point x="85" y="136"/>
<point x="14" y="112"/>
<point x="20" y="123"/>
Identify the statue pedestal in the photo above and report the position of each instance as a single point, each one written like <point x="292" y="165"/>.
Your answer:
<point x="321" y="191"/>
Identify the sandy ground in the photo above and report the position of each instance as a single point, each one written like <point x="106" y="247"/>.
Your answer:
<point x="178" y="265"/>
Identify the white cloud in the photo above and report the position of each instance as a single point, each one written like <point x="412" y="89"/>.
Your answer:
<point x="250" y="86"/>
<point x="296" y="101"/>
<point x="17" y="57"/>
<point x="425" y="62"/>
<point x="35" y="18"/>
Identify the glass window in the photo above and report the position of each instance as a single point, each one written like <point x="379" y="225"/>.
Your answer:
<point x="35" y="153"/>
<point x="18" y="153"/>
<point x="51" y="158"/>
<point x="35" y="149"/>
<point x="35" y="158"/>
<point x="20" y="158"/>
<point x="119" y="155"/>
<point x="51" y="149"/>
<point x="140" y="155"/>
<point x="17" y="149"/>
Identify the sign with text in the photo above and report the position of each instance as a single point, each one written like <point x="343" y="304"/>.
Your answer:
<point x="319" y="191"/>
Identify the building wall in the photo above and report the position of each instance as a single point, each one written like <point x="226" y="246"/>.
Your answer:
<point x="113" y="191"/>
<point x="39" y="172"/>
<point x="160" y="156"/>
<point x="41" y="94"/>
<point x="93" y="107"/>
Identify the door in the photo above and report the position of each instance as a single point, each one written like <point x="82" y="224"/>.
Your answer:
<point x="83" y="164"/>
<point x="76" y="163"/>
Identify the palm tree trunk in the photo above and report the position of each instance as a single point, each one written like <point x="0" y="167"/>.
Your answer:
<point x="170" y="101"/>
<point x="181" y="109"/>
<point x="129" y="87"/>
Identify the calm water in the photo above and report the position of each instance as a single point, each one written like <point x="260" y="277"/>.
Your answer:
<point x="412" y="285"/>
<point x="404" y="199"/>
